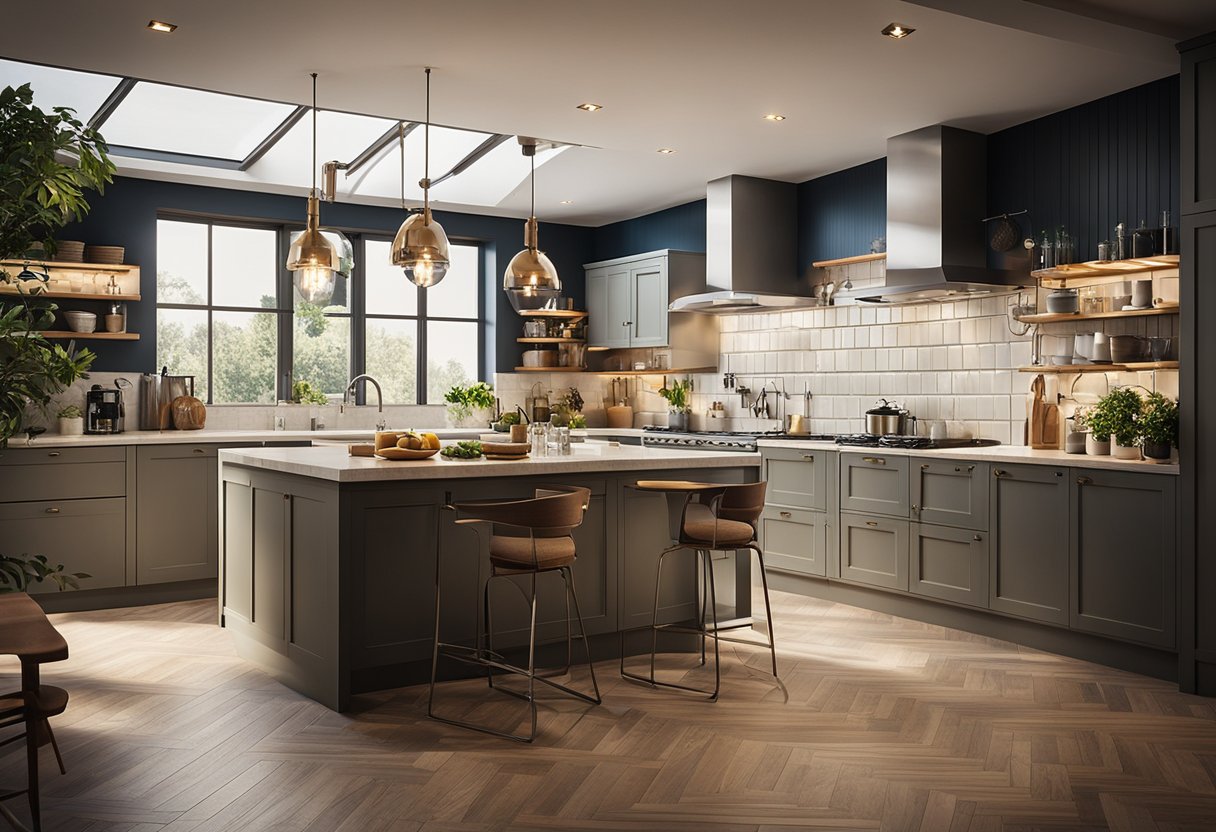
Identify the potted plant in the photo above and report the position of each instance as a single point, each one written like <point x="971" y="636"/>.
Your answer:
<point x="678" y="395"/>
<point x="470" y="407"/>
<point x="17" y="572"/>
<point x="568" y="410"/>
<point x="305" y="392"/>
<point x="1117" y="413"/>
<point x="1159" y="427"/>
<point x="71" y="421"/>
<point x="1090" y="422"/>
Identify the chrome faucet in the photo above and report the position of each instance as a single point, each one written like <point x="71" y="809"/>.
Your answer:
<point x="350" y="386"/>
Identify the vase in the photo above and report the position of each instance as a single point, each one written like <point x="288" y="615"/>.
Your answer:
<point x="677" y="419"/>
<point x="1124" y="451"/>
<point x="71" y="426"/>
<point x="1159" y="452"/>
<point x="1095" y="448"/>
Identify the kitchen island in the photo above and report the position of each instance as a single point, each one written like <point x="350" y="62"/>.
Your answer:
<point x="327" y="561"/>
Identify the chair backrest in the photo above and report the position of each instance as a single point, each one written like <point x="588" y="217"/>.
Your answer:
<point x="743" y="503"/>
<point x="554" y="511"/>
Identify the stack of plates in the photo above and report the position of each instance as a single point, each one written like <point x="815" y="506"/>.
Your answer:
<point x="69" y="251"/>
<point x="109" y="255"/>
<point x="505" y="450"/>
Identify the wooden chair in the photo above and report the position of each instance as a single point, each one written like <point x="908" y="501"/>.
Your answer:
<point x="32" y="710"/>
<point x="526" y="537"/>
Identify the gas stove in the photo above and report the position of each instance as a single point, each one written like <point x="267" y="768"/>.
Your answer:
<point x="746" y="441"/>
<point x="699" y="440"/>
<point x="869" y="440"/>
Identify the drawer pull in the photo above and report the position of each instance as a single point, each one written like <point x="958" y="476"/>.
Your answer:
<point x="874" y="460"/>
<point x="871" y="522"/>
<point x="52" y="510"/>
<point x="808" y="456"/>
<point x="786" y="515"/>
<point x="999" y="472"/>
<point x="53" y="453"/>
<point x="977" y="538"/>
<point x="915" y="507"/>
<point x="1084" y="481"/>
<point x="925" y="467"/>
<point x="199" y="451"/>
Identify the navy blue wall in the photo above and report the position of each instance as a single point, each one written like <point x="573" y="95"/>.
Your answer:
<point x="840" y="214"/>
<point x="681" y="228"/>
<point x="126" y="216"/>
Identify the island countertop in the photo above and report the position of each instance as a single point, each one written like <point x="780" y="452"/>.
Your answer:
<point x="336" y="465"/>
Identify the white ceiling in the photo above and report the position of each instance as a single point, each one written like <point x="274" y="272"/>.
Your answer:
<point x="694" y="75"/>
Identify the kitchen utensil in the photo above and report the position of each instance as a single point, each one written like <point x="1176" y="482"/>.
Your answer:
<point x="534" y="329"/>
<point x="1061" y="360"/>
<point x="1005" y="234"/>
<point x="188" y="413"/>
<point x="886" y="419"/>
<point x="1144" y="242"/>
<point x="103" y="409"/>
<point x="540" y="358"/>
<point x="109" y="255"/>
<point x="1101" y="350"/>
<point x="1142" y="293"/>
<point x="1121" y="247"/>
<point x="795" y="424"/>
<point x="1126" y="348"/>
<point x="1083" y="345"/>
<point x="1160" y="348"/>
<point x="1063" y="302"/>
<point x="170" y="388"/>
<point x="361" y="449"/>
<point x="1044" y="419"/>
<point x="81" y="321"/>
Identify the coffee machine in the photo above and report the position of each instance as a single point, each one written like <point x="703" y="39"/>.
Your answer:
<point x="103" y="411"/>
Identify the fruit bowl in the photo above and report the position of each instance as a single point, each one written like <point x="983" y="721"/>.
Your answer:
<point x="404" y="454"/>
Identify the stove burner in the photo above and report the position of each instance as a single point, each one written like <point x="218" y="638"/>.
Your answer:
<point x="869" y="440"/>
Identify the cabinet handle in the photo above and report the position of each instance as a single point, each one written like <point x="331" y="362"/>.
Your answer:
<point x="874" y="460"/>
<point x="999" y="472"/>
<point x="915" y="507"/>
<point x="808" y="456"/>
<point x="786" y="514"/>
<point x="52" y="510"/>
<point x="977" y="538"/>
<point x="925" y="467"/>
<point x="53" y="453"/>
<point x="871" y="522"/>
<point x="1084" y="481"/>
<point x="199" y="451"/>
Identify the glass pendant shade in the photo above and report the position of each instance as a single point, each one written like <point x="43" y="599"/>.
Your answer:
<point x="421" y="249"/>
<point x="313" y="260"/>
<point x="531" y="278"/>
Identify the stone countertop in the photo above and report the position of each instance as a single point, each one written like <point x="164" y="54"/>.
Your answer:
<point x="996" y="453"/>
<point x="334" y="464"/>
<point x="192" y="437"/>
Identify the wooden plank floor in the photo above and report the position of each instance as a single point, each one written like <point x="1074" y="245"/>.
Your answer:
<point x="890" y="724"/>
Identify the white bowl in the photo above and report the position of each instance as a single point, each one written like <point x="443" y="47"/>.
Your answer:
<point x="81" y="321"/>
<point x="1061" y="360"/>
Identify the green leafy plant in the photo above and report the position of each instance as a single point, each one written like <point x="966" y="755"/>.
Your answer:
<point x="1159" y="420"/>
<point x="464" y="449"/>
<point x="305" y="392"/>
<point x="19" y="571"/>
<point x="578" y="420"/>
<point x="70" y="412"/>
<point x="1116" y="414"/>
<point x="677" y="395"/>
<point x="509" y="418"/>
<point x="462" y="401"/>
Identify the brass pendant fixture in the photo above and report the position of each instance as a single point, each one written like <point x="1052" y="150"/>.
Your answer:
<point x="313" y="260"/>
<point x="421" y="245"/>
<point x="531" y="280"/>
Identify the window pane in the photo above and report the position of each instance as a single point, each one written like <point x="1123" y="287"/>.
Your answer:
<point x="339" y="136"/>
<point x="181" y="345"/>
<point x="392" y="358"/>
<point x="180" y="120"/>
<point x="243" y="267"/>
<point x="244" y="351"/>
<point x="181" y="262"/>
<point x="456" y="295"/>
<point x="451" y="350"/>
<point x="388" y="292"/>
<point x="84" y="92"/>
<point x="493" y="177"/>
<point x="448" y="148"/>
<point x="322" y="349"/>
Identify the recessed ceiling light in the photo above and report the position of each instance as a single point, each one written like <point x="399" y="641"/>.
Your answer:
<point x="897" y="31"/>
<point x="774" y="117"/>
<point x="567" y="202"/>
<point x="161" y="26"/>
<point x="666" y="151"/>
<point x="589" y="107"/>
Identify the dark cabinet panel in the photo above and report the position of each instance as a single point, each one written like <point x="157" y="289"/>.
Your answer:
<point x="1198" y="117"/>
<point x="1122" y="560"/>
<point x="874" y="550"/>
<point x="950" y="493"/>
<point x="795" y="540"/>
<point x="948" y="563"/>
<point x="875" y="483"/>
<point x="1028" y="571"/>
<point x="84" y="535"/>
<point x="176" y="535"/>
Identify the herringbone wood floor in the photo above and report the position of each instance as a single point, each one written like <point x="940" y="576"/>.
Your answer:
<point x="890" y="724"/>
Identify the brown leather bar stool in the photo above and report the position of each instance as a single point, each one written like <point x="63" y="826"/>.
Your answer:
<point x="526" y="537"/>
<point x="33" y="710"/>
<point x="718" y="519"/>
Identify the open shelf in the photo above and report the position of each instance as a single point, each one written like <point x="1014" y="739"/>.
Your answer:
<point x="550" y="370"/>
<point x="1053" y="317"/>
<point x="1060" y="275"/>
<point x="551" y="340"/>
<point x="551" y="313"/>
<point x="1131" y="367"/>
<point x="671" y="371"/>
<point x="65" y="265"/>
<point x="90" y="336"/>
<point x="6" y="290"/>
<point x="846" y="261"/>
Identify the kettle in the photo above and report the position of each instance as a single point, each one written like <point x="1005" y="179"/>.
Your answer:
<point x="886" y="419"/>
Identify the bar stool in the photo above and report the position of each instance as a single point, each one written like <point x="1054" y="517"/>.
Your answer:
<point x="526" y="537"/>
<point x="33" y="709"/>
<point x="726" y="523"/>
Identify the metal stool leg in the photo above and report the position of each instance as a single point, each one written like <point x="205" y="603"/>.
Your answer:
<point x="768" y="609"/>
<point x="582" y="629"/>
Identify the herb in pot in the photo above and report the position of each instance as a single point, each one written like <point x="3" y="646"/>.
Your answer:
<point x="463" y="401"/>
<point x="677" y="395"/>
<point x="305" y="392"/>
<point x="1116" y="415"/>
<point x="70" y="412"/>
<point x="1159" y="426"/>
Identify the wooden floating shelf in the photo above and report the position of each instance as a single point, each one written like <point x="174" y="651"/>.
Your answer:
<point x="1131" y="367"/>
<point x="1054" y="318"/>
<point x="550" y="369"/>
<point x="846" y="261"/>
<point x="671" y="371"/>
<point x="551" y="340"/>
<point x="1107" y="268"/>
<point x="75" y="267"/>
<point x="552" y="313"/>
<point x="67" y="295"/>
<point x="90" y="336"/>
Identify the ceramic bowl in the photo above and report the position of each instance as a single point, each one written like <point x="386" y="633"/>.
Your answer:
<point x="81" y="321"/>
<point x="1060" y="360"/>
<point x="1126" y="348"/>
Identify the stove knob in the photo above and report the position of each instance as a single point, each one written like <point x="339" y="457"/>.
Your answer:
<point x="700" y="442"/>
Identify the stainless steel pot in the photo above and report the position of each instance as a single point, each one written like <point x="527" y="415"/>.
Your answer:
<point x="886" y="419"/>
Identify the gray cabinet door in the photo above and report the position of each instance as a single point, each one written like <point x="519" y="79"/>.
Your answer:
<point x="794" y="540"/>
<point x="1198" y="134"/>
<point x="176" y="516"/>
<point x="609" y="303"/>
<point x="874" y="550"/>
<point x="797" y="478"/>
<point x="874" y="483"/>
<point x="648" y="303"/>
<point x="948" y="563"/>
<point x="84" y="535"/>
<point x="1028" y="557"/>
<point x="62" y="473"/>
<point x="1123" y="555"/>
<point x="645" y="533"/>
<point x="950" y="493"/>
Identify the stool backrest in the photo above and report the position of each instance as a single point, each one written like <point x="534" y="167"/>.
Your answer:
<point x="743" y="503"/>
<point x="553" y="512"/>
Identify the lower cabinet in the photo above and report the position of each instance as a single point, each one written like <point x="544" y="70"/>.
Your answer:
<point x="84" y="535"/>
<point x="795" y="540"/>
<point x="1028" y="555"/>
<point x="874" y="550"/>
<point x="175" y="513"/>
<point x="1123" y="555"/>
<point x="948" y="563"/>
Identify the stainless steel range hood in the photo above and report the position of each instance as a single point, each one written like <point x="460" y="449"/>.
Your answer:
<point x="936" y="201"/>
<point x="751" y="262"/>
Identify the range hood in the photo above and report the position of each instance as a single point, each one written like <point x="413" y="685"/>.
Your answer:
<point x="936" y="201"/>
<point x="751" y="257"/>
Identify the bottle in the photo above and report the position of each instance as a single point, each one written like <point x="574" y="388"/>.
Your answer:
<point x="1120" y="251"/>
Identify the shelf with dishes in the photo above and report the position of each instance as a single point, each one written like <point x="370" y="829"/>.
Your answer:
<point x="573" y="314"/>
<point x="551" y="340"/>
<point x="90" y="336"/>
<point x="555" y="340"/>
<point x="1169" y="308"/>
<point x="668" y="372"/>
<point x="94" y="283"/>
<point x="1103" y="271"/>
<point x="1128" y="367"/>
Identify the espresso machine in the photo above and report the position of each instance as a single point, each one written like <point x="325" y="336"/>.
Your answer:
<point x="103" y="410"/>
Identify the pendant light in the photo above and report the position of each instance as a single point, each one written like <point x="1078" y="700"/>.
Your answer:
<point x="421" y="246"/>
<point x="531" y="278"/>
<point x="313" y="260"/>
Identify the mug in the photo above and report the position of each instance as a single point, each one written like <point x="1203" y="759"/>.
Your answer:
<point x="1159" y="348"/>
<point x="1142" y="293"/>
<point x="1101" y="349"/>
<point x="1083" y="345"/>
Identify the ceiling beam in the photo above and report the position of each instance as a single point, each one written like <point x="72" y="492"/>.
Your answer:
<point x="372" y="152"/>
<point x="475" y="154"/>
<point x="112" y="101"/>
<point x="176" y="158"/>
<point x="275" y="136"/>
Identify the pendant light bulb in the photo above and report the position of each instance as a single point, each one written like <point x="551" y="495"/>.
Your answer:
<point x="531" y="280"/>
<point x="313" y="260"/>
<point x="421" y="245"/>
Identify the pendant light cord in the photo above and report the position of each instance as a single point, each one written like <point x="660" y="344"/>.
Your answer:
<point x="314" y="132"/>
<point x="426" y="147"/>
<point x="532" y="179"/>
<point x="401" y="144"/>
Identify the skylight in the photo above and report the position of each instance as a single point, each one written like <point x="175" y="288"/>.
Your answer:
<point x="340" y="137"/>
<point x="84" y="92"/>
<point x="498" y="173"/>
<point x="383" y="178"/>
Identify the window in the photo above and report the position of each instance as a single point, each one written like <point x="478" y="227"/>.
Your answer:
<point x="221" y="317"/>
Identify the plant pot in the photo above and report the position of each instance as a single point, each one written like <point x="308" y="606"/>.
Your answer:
<point x="677" y="420"/>
<point x="1124" y="451"/>
<point x="71" y="426"/>
<point x="1095" y="448"/>
<point x="1158" y="451"/>
<point x="462" y="418"/>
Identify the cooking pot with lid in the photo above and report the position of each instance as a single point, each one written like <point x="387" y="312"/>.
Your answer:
<point x="886" y="419"/>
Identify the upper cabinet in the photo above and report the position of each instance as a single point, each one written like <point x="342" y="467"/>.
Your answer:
<point x="627" y="297"/>
<point x="1198" y="111"/>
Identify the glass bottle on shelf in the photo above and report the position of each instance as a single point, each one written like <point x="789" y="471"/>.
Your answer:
<point x="1047" y="254"/>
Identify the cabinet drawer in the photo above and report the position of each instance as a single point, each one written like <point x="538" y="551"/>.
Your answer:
<point x="797" y="478"/>
<point x="950" y="493"/>
<point x="795" y="540"/>
<point x="84" y="535"/>
<point x="874" y="483"/>
<point x="874" y="550"/>
<point x="947" y="563"/>
<point x="30" y="474"/>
